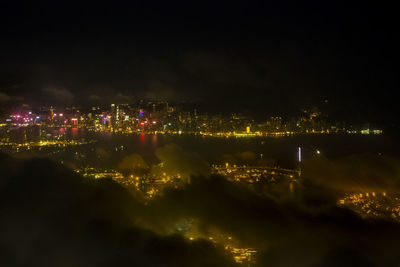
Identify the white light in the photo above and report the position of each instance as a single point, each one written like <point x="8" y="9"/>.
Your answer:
<point x="299" y="154"/>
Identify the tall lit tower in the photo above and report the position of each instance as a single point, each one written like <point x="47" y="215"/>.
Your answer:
<point x="51" y="113"/>
<point x="299" y="159"/>
<point x="112" y="117"/>
<point x="117" y="114"/>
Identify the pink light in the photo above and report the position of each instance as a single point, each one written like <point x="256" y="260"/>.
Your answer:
<point x="154" y="122"/>
<point x="60" y="114"/>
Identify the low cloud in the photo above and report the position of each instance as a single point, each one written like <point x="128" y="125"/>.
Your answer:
<point x="355" y="173"/>
<point x="177" y="160"/>
<point x="286" y="232"/>
<point x="59" y="94"/>
<point x="95" y="98"/>
<point x="123" y="99"/>
<point x="4" y="97"/>
<point x="57" y="218"/>
<point x="132" y="162"/>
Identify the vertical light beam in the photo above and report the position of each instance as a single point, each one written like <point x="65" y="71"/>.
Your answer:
<point x="299" y="154"/>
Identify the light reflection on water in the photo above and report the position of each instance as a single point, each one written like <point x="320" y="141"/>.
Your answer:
<point x="212" y="149"/>
<point x="74" y="133"/>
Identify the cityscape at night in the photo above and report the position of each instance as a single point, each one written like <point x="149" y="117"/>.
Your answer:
<point x="199" y="134"/>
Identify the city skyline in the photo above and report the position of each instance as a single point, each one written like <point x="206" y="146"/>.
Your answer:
<point x="199" y="134"/>
<point x="260" y="57"/>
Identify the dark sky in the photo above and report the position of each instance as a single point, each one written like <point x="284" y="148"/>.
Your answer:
<point x="249" y="55"/>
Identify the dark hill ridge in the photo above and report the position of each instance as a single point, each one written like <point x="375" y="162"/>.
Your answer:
<point x="49" y="216"/>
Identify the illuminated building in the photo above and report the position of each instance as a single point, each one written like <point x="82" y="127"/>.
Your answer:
<point x="113" y="115"/>
<point x="117" y="114"/>
<point x="74" y="121"/>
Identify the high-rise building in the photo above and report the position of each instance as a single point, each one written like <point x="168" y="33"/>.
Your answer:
<point x="117" y="114"/>
<point x="113" y="115"/>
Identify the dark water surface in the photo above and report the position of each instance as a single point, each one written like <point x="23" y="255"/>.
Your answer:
<point x="109" y="149"/>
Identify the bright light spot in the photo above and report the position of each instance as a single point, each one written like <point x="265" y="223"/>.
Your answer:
<point x="299" y="154"/>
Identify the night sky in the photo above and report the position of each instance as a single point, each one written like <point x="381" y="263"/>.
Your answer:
<point x="247" y="56"/>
